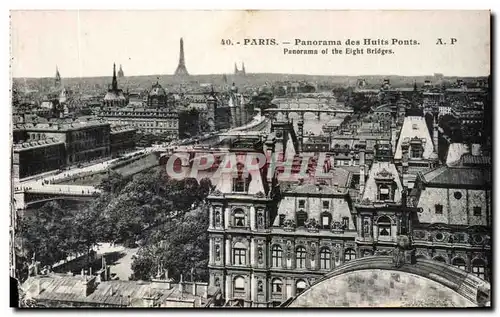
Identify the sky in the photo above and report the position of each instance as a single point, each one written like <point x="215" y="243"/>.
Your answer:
<point x="87" y="43"/>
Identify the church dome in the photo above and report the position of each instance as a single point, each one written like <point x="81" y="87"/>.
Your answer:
<point x="157" y="90"/>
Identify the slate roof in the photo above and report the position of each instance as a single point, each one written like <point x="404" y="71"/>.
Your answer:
<point x="458" y="176"/>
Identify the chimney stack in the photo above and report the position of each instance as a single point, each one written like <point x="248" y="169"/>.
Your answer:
<point x="181" y="286"/>
<point x="476" y="149"/>
<point x="362" y="167"/>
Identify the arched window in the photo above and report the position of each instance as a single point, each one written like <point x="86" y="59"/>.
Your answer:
<point x="478" y="266"/>
<point x="459" y="262"/>
<point x="384" y="228"/>
<point x="277" y="256"/>
<point x="325" y="261"/>
<point x="301" y="257"/>
<point x="239" y="284"/>
<point x="300" y="286"/>
<point x="349" y="254"/>
<point x="277" y="286"/>
<point x="239" y="254"/>
<point x="439" y="259"/>
<point x="239" y="218"/>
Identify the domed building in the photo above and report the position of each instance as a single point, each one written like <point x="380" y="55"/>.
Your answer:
<point x="114" y="97"/>
<point x="157" y="96"/>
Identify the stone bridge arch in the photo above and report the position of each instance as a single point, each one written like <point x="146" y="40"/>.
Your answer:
<point x="376" y="282"/>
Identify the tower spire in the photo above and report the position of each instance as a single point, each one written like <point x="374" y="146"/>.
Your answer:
<point x="58" y="76"/>
<point x="114" y="83"/>
<point x="243" y="68"/>
<point x="181" y="68"/>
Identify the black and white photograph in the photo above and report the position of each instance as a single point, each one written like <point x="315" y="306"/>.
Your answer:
<point x="251" y="159"/>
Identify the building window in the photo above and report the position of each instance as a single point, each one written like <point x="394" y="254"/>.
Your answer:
<point x="416" y="151"/>
<point x="277" y="256"/>
<point x="326" y="220"/>
<point x="301" y="257"/>
<point x="302" y="204"/>
<point x="239" y="218"/>
<point x="282" y="220"/>
<point x="239" y="284"/>
<point x="301" y="218"/>
<point x="384" y="227"/>
<point x="384" y="192"/>
<point x="478" y="266"/>
<point x="326" y="204"/>
<point x="217" y="218"/>
<point x="345" y="222"/>
<point x="349" y="254"/>
<point x="240" y="184"/>
<point x="459" y="262"/>
<point x="300" y="286"/>
<point x="277" y="286"/>
<point x="239" y="254"/>
<point x="477" y="211"/>
<point x="325" y="259"/>
<point x="439" y="209"/>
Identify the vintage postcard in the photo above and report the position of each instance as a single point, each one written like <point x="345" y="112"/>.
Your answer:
<point x="276" y="159"/>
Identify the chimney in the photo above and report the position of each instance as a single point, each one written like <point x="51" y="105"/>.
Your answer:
<point x="38" y="286"/>
<point x="88" y="285"/>
<point x="476" y="149"/>
<point x="181" y="286"/>
<point x="362" y="168"/>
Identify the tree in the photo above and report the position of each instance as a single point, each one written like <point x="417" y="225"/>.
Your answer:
<point x="181" y="247"/>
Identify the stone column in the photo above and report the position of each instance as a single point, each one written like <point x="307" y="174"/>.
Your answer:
<point x="252" y="253"/>
<point x="227" y="214"/>
<point x="229" y="288"/>
<point x="211" y="217"/>
<point x="228" y="252"/>
<point x="252" y="218"/>
<point x="253" y="288"/>
<point x="211" y="254"/>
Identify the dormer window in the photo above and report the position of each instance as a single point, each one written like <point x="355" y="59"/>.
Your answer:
<point x="416" y="151"/>
<point x="240" y="184"/>
<point x="384" y="192"/>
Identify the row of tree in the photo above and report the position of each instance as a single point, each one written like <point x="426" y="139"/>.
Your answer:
<point x="138" y="211"/>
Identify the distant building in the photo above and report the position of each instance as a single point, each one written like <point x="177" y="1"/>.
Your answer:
<point x="35" y="157"/>
<point x="181" y="67"/>
<point x="151" y="113"/>
<point x="121" y="74"/>
<point x="121" y="139"/>
<point x="146" y="120"/>
<point x="238" y="72"/>
<point x="85" y="139"/>
<point x="114" y="97"/>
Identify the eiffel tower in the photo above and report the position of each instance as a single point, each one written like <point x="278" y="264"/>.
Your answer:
<point x="181" y="68"/>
